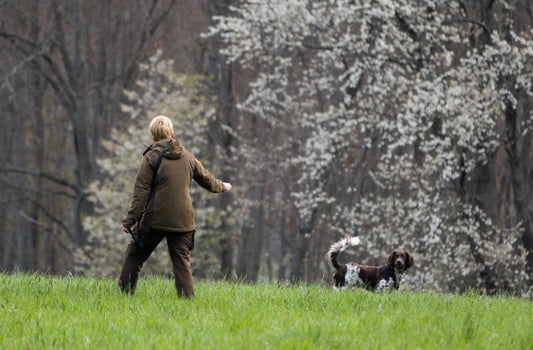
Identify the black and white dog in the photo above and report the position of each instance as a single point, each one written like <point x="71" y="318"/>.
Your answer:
<point x="381" y="278"/>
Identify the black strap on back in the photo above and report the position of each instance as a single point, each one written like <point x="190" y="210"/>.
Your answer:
<point x="137" y="235"/>
<point x="156" y="168"/>
<point x="147" y="220"/>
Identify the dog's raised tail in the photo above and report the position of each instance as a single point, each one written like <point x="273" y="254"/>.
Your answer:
<point x="338" y="247"/>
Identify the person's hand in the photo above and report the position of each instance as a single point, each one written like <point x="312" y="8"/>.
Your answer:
<point x="126" y="231"/>
<point x="227" y="186"/>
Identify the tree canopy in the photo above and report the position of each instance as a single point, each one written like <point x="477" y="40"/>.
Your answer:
<point x="399" y="88"/>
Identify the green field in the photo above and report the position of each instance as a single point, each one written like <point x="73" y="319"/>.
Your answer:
<point x="44" y="312"/>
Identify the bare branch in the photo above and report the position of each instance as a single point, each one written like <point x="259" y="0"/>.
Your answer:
<point x="47" y="176"/>
<point x="32" y="51"/>
<point x="470" y="21"/>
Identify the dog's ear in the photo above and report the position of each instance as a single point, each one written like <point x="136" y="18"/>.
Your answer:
<point x="390" y="262"/>
<point x="410" y="260"/>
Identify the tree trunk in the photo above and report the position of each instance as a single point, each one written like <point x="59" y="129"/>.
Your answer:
<point x="252" y="242"/>
<point x="18" y="152"/>
<point x="223" y="77"/>
<point x="299" y="253"/>
<point x="518" y="185"/>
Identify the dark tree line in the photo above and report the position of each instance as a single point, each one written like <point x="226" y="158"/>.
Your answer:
<point x="65" y="65"/>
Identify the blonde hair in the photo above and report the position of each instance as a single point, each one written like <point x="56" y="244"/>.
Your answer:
<point x="161" y="128"/>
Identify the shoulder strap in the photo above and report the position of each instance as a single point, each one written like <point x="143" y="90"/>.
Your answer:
<point x="156" y="167"/>
<point x="147" y="219"/>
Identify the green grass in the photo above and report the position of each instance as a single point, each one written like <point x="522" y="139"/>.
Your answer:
<point x="43" y="312"/>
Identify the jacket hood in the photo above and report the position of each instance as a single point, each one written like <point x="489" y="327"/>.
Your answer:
<point x="174" y="151"/>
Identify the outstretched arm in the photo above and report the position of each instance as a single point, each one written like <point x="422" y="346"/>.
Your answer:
<point x="207" y="180"/>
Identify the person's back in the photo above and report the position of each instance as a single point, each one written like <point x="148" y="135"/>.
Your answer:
<point x="172" y="208"/>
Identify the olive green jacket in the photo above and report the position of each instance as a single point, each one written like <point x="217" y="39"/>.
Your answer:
<point x="171" y="208"/>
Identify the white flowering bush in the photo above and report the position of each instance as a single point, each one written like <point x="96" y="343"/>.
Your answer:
<point x="396" y="87"/>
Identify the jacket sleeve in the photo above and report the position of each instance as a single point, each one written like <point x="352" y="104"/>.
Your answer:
<point x="205" y="179"/>
<point x="141" y="192"/>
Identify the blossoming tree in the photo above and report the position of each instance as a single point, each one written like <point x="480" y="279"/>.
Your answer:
<point x="386" y="114"/>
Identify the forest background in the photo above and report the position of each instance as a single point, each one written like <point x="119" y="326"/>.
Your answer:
<point x="404" y="122"/>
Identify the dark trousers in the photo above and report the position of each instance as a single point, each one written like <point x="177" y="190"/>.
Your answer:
<point x="179" y="247"/>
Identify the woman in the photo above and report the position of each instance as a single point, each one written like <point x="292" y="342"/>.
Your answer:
<point x="168" y="211"/>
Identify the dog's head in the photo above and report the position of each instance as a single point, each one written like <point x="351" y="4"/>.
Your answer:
<point x="401" y="260"/>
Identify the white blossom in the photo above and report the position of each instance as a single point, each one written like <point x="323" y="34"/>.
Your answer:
<point x="387" y="77"/>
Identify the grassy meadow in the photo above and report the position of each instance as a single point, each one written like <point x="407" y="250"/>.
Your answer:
<point x="45" y="312"/>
